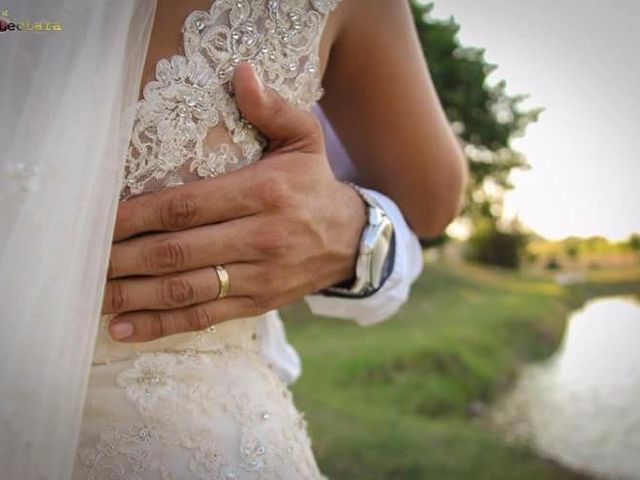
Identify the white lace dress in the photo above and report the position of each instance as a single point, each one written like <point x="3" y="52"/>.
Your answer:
<point x="204" y="405"/>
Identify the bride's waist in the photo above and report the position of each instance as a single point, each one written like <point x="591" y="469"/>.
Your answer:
<point x="239" y="334"/>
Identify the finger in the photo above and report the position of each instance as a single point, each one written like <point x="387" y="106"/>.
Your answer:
<point x="171" y="291"/>
<point x="206" y="201"/>
<point x="164" y="253"/>
<point x="150" y="325"/>
<point x="277" y="119"/>
<point x="180" y="290"/>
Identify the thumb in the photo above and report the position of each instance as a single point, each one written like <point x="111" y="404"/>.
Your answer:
<point x="282" y="123"/>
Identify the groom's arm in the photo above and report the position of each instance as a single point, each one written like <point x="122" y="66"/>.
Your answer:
<point x="405" y="259"/>
<point x="405" y="266"/>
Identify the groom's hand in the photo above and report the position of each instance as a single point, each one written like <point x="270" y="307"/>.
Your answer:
<point x="283" y="228"/>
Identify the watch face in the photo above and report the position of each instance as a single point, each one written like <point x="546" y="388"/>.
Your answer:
<point x="375" y="245"/>
<point x="380" y="252"/>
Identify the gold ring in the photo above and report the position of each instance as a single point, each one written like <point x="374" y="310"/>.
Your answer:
<point x="223" y="277"/>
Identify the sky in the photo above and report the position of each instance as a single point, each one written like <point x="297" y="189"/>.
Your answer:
<point x="580" y="60"/>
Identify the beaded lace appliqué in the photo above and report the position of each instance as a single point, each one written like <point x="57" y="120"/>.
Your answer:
<point x="192" y="93"/>
<point x="169" y="391"/>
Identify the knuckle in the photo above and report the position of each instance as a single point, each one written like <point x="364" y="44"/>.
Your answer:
<point x="276" y="192"/>
<point x="168" y="255"/>
<point x="118" y="296"/>
<point x="277" y="287"/>
<point x="267" y="278"/>
<point x="200" y="318"/>
<point x="272" y="241"/>
<point x="157" y="325"/>
<point x="178" y="212"/>
<point x="176" y="292"/>
<point x="261" y="304"/>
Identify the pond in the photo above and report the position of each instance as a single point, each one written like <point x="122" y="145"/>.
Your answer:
<point x="582" y="407"/>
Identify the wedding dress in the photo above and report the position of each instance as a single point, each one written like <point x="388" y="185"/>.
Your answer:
<point x="204" y="405"/>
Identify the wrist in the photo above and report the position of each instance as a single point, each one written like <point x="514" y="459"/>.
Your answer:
<point x="370" y="261"/>
<point x="354" y="216"/>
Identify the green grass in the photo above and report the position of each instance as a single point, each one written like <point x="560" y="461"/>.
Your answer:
<point x="391" y="401"/>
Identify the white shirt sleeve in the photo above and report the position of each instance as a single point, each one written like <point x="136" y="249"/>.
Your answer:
<point x="276" y="350"/>
<point x="394" y="292"/>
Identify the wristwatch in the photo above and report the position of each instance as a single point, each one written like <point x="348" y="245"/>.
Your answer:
<point x="374" y="252"/>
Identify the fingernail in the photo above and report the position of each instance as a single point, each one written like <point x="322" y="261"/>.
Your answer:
<point x="122" y="330"/>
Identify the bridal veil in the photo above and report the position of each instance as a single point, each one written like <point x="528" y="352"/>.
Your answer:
<point x="66" y="110"/>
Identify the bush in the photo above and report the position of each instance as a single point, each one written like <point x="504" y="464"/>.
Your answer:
<point x="553" y="264"/>
<point x="492" y="246"/>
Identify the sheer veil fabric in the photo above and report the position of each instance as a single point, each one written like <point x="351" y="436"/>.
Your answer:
<point x="66" y="112"/>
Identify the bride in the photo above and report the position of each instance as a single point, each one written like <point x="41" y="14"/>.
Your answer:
<point x="174" y="391"/>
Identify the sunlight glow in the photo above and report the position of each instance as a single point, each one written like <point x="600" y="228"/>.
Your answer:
<point x="579" y="61"/>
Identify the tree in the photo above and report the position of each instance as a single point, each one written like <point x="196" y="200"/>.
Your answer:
<point x="571" y="247"/>
<point x="484" y="116"/>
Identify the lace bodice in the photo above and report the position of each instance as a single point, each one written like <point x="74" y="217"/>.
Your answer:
<point x="187" y="125"/>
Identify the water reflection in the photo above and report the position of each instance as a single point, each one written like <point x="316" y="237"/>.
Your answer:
<point x="582" y="408"/>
